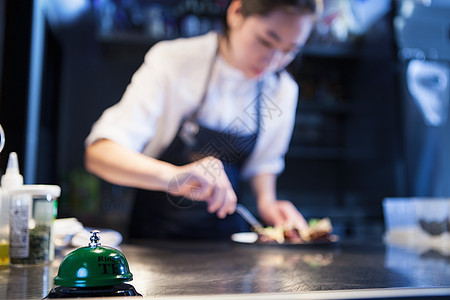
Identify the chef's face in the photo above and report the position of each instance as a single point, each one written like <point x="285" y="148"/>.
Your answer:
<point x="259" y="44"/>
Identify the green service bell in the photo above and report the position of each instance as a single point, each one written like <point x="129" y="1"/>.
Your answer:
<point x="93" y="265"/>
<point x="93" y="271"/>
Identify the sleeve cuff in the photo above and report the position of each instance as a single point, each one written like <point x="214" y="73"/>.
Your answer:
<point x="274" y="167"/>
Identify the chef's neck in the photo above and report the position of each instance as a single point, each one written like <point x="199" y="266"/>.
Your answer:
<point x="226" y="51"/>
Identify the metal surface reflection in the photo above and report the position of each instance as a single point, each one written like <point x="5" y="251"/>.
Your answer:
<point x="27" y="282"/>
<point x="285" y="270"/>
<point x="421" y="267"/>
<point x="188" y="268"/>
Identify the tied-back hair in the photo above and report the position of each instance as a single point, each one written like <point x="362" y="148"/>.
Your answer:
<point x="265" y="7"/>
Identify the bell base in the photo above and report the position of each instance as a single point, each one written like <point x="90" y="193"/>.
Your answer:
<point x="122" y="289"/>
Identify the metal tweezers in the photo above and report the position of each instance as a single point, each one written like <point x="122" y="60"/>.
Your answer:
<point x="248" y="216"/>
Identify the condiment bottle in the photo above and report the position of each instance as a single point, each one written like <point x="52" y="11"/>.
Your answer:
<point x="10" y="180"/>
<point x="32" y="214"/>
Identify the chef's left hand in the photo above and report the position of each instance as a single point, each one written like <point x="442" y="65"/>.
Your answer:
<point x="282" y="213"/>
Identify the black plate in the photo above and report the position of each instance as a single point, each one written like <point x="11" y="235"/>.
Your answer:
<point x="251" y="238"/>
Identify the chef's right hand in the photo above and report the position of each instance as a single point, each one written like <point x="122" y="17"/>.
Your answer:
<point x="205" y="180"/>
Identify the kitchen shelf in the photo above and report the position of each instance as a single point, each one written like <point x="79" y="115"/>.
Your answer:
<point x="128" y="38"/>
<point x="307" y="106"/>
<point x="336" y="50"/>
<point x="142" y="38"/>
<point x="313" y="152"/>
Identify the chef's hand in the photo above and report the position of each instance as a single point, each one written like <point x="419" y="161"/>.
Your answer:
<point x="282" y="213"/>
<point x="205" y="180"/>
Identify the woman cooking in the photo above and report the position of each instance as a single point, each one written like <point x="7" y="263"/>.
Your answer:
<point x="200" y="115"/>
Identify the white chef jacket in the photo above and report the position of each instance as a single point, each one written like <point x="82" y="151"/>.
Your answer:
<point x="169" y="85"/>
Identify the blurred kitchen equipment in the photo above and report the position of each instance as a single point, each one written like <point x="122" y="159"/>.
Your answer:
<point x="33" y="210"/>
<point x="65" y="229"/>
<point x="93" y="271"/>
<point x="428" y="84"/>
<point x="421" y="30"/>
<point x="432" y="215"/>
<point x="69" y="232"/>
<point x="399" y="220"/>
<point x="342" y="20"/>
<point x="419" y="223"/>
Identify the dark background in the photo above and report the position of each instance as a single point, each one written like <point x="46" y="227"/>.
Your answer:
<point x="348" y="148"/>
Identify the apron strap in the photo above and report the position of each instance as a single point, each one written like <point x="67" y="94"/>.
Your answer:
<point x="194" y="115"/>
<point x="259" y="97"/>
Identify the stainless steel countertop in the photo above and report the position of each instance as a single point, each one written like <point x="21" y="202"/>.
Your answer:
<point x="349" y="270"/>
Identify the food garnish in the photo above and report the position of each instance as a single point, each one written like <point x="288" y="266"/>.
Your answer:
<point x="319" y="230"/>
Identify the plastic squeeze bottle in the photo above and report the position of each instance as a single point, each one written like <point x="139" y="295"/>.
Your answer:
<point x="10" y="180"/>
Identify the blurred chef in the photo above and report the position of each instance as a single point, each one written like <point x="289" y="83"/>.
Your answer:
<point x="200" y="115"/>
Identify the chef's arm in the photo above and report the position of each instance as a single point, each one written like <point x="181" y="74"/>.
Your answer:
<point x="119" y="165"/>
<point x="272" y="211"/>
<point x="264" y="189"/>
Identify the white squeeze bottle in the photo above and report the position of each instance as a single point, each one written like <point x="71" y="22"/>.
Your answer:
<point x="10" y="180"/>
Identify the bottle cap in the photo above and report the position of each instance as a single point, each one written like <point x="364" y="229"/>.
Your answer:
<point x="37" y="190"/>
<point x="12" y="177"/>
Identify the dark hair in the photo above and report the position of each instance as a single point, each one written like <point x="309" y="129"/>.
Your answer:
<point x="265" y="7"/>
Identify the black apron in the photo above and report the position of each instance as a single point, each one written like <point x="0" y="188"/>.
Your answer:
<point x="160" y="215"/>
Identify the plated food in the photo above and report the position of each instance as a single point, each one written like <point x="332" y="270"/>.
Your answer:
<point x="318" y="232"/>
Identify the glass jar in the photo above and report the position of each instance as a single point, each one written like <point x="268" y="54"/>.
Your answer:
<point x="33" y="210"/>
